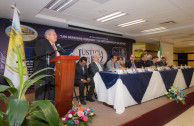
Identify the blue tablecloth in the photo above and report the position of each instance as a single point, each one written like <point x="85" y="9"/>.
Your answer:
<point x="109" y="78"/>
<point x="168" y="77"/>
<point x="136" y="84"/>
<point x="188" y="74"/>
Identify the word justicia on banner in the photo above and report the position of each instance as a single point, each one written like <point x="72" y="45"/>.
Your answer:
<point x="88" y="50"/>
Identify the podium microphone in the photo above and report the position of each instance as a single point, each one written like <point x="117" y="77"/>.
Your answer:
<point x="61" y="48"/>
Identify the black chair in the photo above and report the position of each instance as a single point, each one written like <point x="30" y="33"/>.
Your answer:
<point x="77" y="96"/>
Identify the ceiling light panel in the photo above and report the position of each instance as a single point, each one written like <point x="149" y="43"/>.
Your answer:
<point x="132" y="23"/>
<point x="111" y="16"/>
<point x="154" y="29"/>
<point x="60" y="5"/>
<point x="52" y="4"/>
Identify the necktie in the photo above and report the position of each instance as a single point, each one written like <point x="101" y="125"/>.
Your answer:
<point x="114" y="65"/>
<point x="99" y="67"/>
<point x="53" y="45"/>
<point x="132" y="65"/>
<point x="83" y="70"/>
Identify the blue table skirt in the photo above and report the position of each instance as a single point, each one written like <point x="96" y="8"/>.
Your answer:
<point x="168" y="77"/>
<point x="187" y="73"/>
<point x="136" y="84"/>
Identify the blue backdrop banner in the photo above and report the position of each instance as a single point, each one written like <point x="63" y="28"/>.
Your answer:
<point x="69" y="39"/>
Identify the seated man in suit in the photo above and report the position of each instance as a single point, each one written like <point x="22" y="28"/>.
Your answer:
<point x="149" y="60"/>
<point x="163" y="62"/>
<point x="132" y="63"/>
<point x="112" y="64"/>
<point x="143" y="62"/>
<point x="82" y="78"/>
<point x="95" y="66"/>
<point x="154" y="63"/>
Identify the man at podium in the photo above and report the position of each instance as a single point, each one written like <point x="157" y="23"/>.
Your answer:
<point x="82" y="78"/>
<point x="44" y="48"/>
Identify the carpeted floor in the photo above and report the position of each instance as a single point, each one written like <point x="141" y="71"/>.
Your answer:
<point x="107" y="116"/>
<point x="185" y="119"/>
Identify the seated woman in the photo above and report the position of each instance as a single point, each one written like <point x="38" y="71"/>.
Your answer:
<point x="120" y="60"/>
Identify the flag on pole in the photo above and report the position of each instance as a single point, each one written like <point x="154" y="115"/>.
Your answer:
<point x="11" y="67"/>
<point x="159" y="52"/>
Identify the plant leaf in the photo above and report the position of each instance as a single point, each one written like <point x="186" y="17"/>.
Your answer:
<point x="30" y="82"/>
<point x="34" y="74"/>
<point x="1" y="114"/>
<point x="34" y="123"/>
<point x="8" y="80"/>
<point x="3" y="98"/>
<point x="183" y="102"/>
<point x="38" y="115"/>
<point x="12" y="90"/>
<point x="20" y="66"/>
<point x="49" y="111"/>
<point x="20" y="70"/>
<point x="2" y="122"/>
<point x="16" y="111"/>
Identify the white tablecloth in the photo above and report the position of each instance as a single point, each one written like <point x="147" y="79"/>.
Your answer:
<point x="119" y="96"/>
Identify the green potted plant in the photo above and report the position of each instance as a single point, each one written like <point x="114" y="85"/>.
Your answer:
<point x="21" y="112"/>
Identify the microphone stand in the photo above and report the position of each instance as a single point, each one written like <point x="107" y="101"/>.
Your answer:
<point x="47" y="72"/>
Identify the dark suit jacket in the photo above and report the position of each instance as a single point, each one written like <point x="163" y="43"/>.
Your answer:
<point x="154" y="64"/>
<point x="42" y="47"/>
<point x="128" y="64"/>
<point x="93" y="69"/>
<point x="162" y="63"/>
<point x="149" y="63"/>
<point x="79" y="72"/>
<point x="143" y="63"/>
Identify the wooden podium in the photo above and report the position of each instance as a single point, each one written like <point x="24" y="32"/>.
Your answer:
<point x="64" y="82"/>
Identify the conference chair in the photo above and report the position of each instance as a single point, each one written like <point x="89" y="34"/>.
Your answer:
<point x="77" y="96"/>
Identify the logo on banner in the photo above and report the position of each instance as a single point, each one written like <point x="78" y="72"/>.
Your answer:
<point x="88" y="50"/>
<point x="28" y="33"/>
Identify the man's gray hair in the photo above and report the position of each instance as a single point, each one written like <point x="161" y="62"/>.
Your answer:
<point x="95" y="54"/>
<point x="47" y="32"/>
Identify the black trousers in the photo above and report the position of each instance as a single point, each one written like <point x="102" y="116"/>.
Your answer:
<point x="46" y="91"/>
<point x="82" y="87"/>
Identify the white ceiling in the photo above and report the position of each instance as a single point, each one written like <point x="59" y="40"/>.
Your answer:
<point x="84" y="12"/>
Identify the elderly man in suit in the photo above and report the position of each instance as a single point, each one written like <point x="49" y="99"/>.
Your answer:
<point x="132" y="63"/>
<point x="46" y="46"/>
<point x="112" y="64"/>
<point x="95" y="66"/>
<point x="82" y="78"/>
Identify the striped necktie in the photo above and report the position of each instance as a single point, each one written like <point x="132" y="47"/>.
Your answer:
<point x="53" y="45"/>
